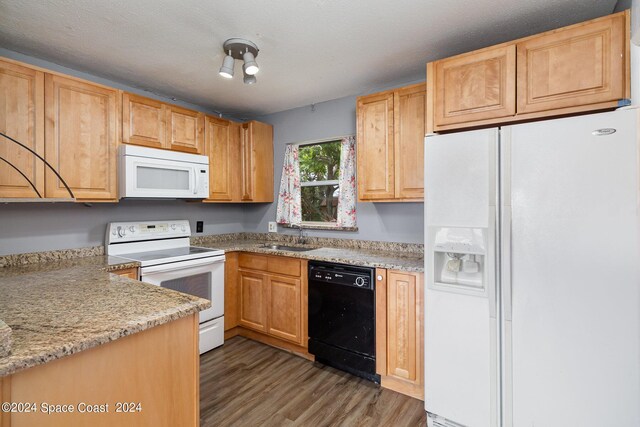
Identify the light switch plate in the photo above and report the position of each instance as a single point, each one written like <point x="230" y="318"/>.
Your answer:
<point x="273" y="227"/>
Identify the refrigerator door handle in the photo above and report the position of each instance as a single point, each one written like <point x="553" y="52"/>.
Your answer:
<point x="506" y="262"/>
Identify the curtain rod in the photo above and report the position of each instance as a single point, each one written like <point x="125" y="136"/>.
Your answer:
<point x="318" y="141"/>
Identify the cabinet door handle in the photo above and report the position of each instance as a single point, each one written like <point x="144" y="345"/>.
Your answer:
<point x="379" y="278"/>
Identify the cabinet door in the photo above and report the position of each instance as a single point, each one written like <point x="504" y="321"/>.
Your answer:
<point x="285" y="308"/>
<point x="475" y="86"/>
<point x="222" y="145"/>
<point x="185" y="130"/>
<point x="404" y="326"/>
<point x="257" y="162"/>
<point x="21" y="118"/>
<point x="409" y="114"/>
<point x="143" y="121"/>
<point x="81" y="138"/>
<point x="579" y="65"/>
<point x="253" y="300"/>
<point x="375" y="147"/>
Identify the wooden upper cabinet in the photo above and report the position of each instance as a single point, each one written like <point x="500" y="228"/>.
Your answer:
<point x="222" y="145"/>
<point x="578" y="65"/>
<point x="375" y="151"/>
<point x="257" y="162"/>
<point x="475" y="86"/>
<point x="408" y="111"/>
<point x="391" y="144"/>
<point x="575" y="69"/>
<point x="21" y="118"/>
<point x="81" y="138"/>
<point x="185" y="130"/>
<point x="143" y="121"/>
<point x="154" y="124"/>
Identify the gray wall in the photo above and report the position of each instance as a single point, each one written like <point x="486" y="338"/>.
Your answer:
<point x="33" y="227"/>
<point x="398" y="222"/>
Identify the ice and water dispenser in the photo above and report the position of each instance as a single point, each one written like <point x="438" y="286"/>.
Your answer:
<point x="459" y="257"/>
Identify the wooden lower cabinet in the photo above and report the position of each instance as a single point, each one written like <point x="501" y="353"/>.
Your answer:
<point x="284" y="308"/>
<point x="157" y="368"/>
<point x="400" y="331"/>
<point x="266" y="300"/>
<point x="130" y="273"/>
<point x="253" y="300"/>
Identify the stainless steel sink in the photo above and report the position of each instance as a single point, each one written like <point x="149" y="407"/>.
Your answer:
<point x="286" y="248"/>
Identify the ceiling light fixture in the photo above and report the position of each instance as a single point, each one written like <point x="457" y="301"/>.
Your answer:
<point x="248" y="79"/>
<point x="240" y="49"/>
<point x="226" y="70"/>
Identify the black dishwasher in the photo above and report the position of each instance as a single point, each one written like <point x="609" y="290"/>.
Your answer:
<point x="342" y="318"/>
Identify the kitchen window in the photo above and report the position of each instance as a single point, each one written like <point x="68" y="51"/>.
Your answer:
<point x="319" y="184"/>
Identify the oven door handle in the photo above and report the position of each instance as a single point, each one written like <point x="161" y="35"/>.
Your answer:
<point x="182" y="265"/>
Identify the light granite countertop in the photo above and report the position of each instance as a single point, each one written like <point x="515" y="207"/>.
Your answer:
<point x="397" y="259"/>
<point x="59" y="308"/>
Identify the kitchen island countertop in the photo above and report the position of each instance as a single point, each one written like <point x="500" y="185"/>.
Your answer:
<point x="62" y="307"/>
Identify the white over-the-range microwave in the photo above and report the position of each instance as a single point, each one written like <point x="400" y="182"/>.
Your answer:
<point x="150" y="173"/>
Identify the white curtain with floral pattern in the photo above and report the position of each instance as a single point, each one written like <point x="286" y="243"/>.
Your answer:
<point x="347" y="198"/>
<point x="289" y="198"/>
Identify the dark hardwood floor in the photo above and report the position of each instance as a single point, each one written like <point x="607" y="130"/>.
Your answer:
<point x="245" y="383"/>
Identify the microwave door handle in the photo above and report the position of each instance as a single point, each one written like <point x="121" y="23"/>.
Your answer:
<point x="195" y="180"/>
<point x="192" y="179"/>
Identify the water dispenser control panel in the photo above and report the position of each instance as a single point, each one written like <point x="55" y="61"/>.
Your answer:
<point x="459" y="256"/>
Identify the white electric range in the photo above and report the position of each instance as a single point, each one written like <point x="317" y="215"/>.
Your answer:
<point x="166" y="258"/>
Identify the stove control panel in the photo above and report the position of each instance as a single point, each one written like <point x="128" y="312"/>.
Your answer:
<point x="118" y="232"/>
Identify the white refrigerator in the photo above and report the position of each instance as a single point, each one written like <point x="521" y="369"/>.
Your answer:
<point x="532" y="260"/>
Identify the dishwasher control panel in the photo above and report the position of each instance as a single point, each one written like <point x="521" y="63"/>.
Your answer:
<point x="342" y="275"/>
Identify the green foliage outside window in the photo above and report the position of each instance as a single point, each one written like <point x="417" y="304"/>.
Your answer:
<point x="320" y="162"/>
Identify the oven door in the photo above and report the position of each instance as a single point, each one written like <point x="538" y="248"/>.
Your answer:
<point x="160" y="178"/>
<point x="202" y="277"/>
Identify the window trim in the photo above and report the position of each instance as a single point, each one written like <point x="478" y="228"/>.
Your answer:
<point x="319" y="183"/>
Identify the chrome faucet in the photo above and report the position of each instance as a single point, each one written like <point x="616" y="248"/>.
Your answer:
<point x="301" y="238"/>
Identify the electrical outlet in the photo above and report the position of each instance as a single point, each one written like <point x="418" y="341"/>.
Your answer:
<point x="273" y="227"/>
<point x="199" y="226"/>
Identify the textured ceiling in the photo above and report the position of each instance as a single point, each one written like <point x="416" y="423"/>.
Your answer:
<point x="310" y="50"/>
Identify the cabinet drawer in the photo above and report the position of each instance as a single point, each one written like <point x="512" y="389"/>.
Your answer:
<point x="254" y="262"/>
<point x="131" y="273"/>
<point x="284" y="265"/>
